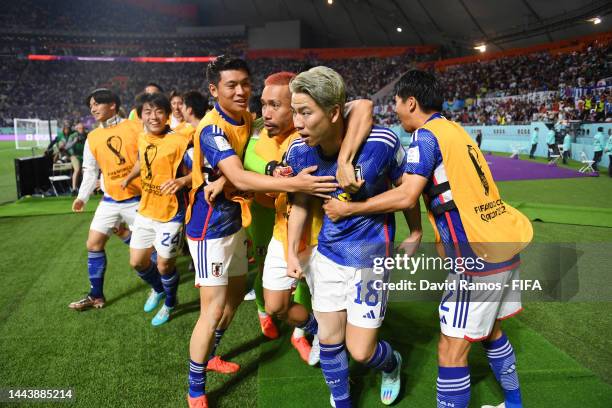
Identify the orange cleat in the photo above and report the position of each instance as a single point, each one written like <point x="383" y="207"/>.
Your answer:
<point x="222" y="366"/>
<point x="302" y="346"/>
<point x="197" y="402"/>
<point x="268" y="328"/>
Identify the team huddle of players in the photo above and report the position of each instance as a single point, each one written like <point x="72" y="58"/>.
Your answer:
<point x="314" y="191"/>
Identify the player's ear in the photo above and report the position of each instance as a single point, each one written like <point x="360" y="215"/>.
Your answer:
<point x="413" y="104"/>
<point x="212" y="88"/>
<point x="335" y="113"/>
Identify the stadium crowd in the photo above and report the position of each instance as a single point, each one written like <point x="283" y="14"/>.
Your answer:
<point x="58" y="85"/>
<point x="175" y="46"/>
<point x="575" y="86"/>
<point x="82" y="15"/>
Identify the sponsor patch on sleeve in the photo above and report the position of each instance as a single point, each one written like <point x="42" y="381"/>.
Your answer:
<point x="413" y="155"/>
<point x="222" y="143"/>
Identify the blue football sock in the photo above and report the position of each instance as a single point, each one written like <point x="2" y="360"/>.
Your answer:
<point x="383" y="358"/>
<point x="151" y="276"/>
<point x="453" y="387"/>
<point x="127" y="239"/>
<point x="503" y="363"/>
<point x="170" y="283"/>
<point x="154" y="257"/>
<point x="197" y="379"/>
<point x="96" y="267"/>
<point x="334" y="364"/>
<point x="310" y="325"/>
<point x="218" y="336"/>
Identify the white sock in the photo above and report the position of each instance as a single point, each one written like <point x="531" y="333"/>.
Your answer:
<point x="297" y="333"/>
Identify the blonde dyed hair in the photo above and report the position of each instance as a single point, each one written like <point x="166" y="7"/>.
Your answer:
<point x="322" y="84"/>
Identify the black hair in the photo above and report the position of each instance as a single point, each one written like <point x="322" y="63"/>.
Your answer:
<point x="255" y="105"/>
<point x="158" y="100"/>
<point x="103" y="95"/>
<point x="155" y="85"/>
<point x="424" y="87"/>
<point x="174" y="93"/>
<point x="196" y="101"/>
<point x="600" y="129"/>
<point x="224" y="63"/>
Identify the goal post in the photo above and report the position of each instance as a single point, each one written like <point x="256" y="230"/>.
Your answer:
<point x="34" y="133"/>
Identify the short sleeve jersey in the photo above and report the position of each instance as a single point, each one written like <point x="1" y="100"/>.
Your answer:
<point x="355" y="241"/>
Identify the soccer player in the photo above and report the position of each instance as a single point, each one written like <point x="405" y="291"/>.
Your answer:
<point x="150" y="88"/>
<point x="112" y="149"/>
<point x="470" y="220"/>
<point x="266" y="155"/>
<point x="216" y="239"/>
<point x="159" y="222"/>
<point x="194" y="107"/>
<point x="349" y="310"/>
<point x="176" y="102"/>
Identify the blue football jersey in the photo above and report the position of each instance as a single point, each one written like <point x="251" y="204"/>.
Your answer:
<point x="224" y="217"/>
<point x="355" y="241"/>
<point x="424" y="158"/>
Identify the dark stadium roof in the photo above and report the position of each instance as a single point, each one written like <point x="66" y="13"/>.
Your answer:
<point x="502" y="24"/>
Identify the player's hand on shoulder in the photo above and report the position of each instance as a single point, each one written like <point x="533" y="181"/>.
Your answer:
<point x="282" y="171"/>
<point x="335" y="209"/>
<point x="294" y="269"/>
<point x="306" y="183"/>
<point x="346" y="178"/>
<point x="78" y="205"/>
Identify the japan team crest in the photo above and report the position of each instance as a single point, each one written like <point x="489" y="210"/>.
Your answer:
<point x="217" y="269"/>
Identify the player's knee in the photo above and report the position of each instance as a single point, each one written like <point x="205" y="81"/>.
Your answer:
<point x="359" y="353"/>
<point x="277" y="309"/>
<point x="94" y="245"/>
<point x="452" y="353"/>
<point x="164" y="269"/>
<point x="212" y="314"/>
<point x="138" y="263"/>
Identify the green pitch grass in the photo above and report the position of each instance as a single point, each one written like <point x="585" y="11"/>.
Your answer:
<point x="114" y="358"/>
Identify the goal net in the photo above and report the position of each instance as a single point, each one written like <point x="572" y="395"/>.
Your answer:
<point x="30" y="133"/>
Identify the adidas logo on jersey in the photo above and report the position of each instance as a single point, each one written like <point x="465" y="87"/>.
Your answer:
<point x="369" y="315"/>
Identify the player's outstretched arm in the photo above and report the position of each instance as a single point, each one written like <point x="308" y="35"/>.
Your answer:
<point x="303" y="182"/>
<point x="359" y="123"/>
<point x="133" y="174"/>
<point x="405" y="196"/>
<point x="295" y="226"/>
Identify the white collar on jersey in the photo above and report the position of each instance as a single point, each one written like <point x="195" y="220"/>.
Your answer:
<point x="114" y="121"/>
